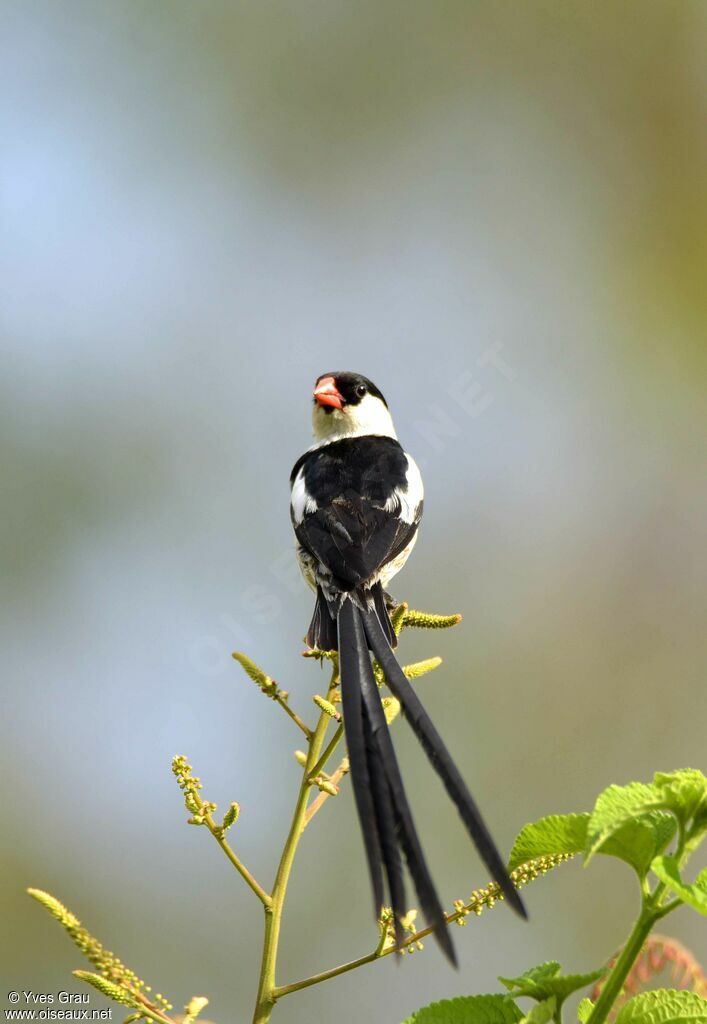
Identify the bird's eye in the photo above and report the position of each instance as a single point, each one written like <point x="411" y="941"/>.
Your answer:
<point x="361" y="390"/>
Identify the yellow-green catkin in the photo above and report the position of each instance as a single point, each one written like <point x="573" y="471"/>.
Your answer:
<point x="421" y="668"/>
<point x="109" y="988"/>
<point x="325" y="706"/>
<point x="259" y="677"/>
<point x="426" y="620"/>
<point x="113" y="973"/>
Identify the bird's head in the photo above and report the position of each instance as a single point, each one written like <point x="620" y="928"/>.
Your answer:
<point x="349" y="405"/>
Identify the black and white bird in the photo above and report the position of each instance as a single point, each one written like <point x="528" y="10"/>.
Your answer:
<point x="356" y="504"/>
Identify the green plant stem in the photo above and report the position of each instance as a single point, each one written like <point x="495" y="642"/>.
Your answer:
<point x="382" y="951"/>
<point x="620" y="971"/>
<point x="668" y="908"/>
<point x="217" y="832"/>
<point x="330" y="748"/>
<point x="369" y="958"/>
<point x="240" y="867"/>
<point x="267" y="991"/>
<point x="149" y="1009"/>
<point x="319" y="801"/>
<point x="284" y="704"/>
<point x="652" y="910"/>
<point x="351" y="965"/>
<point x="333" y="972"/>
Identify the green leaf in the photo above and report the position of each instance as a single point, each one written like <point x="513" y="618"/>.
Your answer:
<point x="544" y="981"/>
<point x="529" y="982"/>
<point x="697" y="833"/>
<point x="584" y="1009"/>
<point x="468" y="1010"/>
<point x="694" y="895"/>
<point x="614" y="807"/>
<point x="636" y="841"/>
<point x="684" y="792"/>
<point x="558" y="833"/>
<point x="541" y="1013"/>
<point x="639" y="840"/>
<point x="664" y="1006"/>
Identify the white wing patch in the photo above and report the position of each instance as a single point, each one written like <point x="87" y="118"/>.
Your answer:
<point x="301" y="502"/>
<point x="407" y="502"/>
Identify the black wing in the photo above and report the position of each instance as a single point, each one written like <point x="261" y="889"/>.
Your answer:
<point x="353" y="539"/>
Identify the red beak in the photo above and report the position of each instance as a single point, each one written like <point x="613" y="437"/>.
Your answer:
<point x="327" y="393"/>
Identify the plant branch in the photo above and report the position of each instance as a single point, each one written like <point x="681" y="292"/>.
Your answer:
<point x="267" y="991"/>
<point x="202" y="814"/>
<point x="284" y="704"/>
<point x="217" y="832"/>
<point x="270" y="688"/>
<point x="480" y="899"/>
<point x="331" y="747"/>
<point x="321" y="799"/>
<point x="668" y="908"/>
<point x="652" y="911"/>
<point x="620" y="971"/>
<point x="151" y="1009"/>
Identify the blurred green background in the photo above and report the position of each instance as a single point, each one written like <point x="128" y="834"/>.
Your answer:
<point x="495" y="210"/>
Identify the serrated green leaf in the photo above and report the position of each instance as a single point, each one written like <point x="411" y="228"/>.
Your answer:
<point x="544" y="981"/>
<point x="468" y="1010"/>
<point x="541" y="1013"/>
<point x="534" y="976"/>
<point x="614" y="807"/>
<point x="566" y="984"/>
<point x="684" y="792"/>
<point x="636" y="841"/>
<point x="557" y="833"/>
<point x="694" y="895"/>
<point x="664" y="1006"/>
<point x="639" y="840"/>
<point x="584" y="1009"/>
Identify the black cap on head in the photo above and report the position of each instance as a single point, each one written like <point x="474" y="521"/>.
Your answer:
<point x="353" y="387"/>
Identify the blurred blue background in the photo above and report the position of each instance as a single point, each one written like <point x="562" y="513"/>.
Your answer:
<point x="497" y="212"/>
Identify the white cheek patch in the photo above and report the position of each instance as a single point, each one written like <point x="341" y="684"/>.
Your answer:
<point x="407" y="502"/>
<point x="369" y="416"/>
<point x="301" y="502"/>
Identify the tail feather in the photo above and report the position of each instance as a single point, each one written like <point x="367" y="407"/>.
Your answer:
<point x="322" y="632"/>
<point x="379" y="602"/>
<point x="350" y="618"/>
<point x="387" y="831"/>
<point x="354" y="727"/>
<point x="439" y="757"/>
